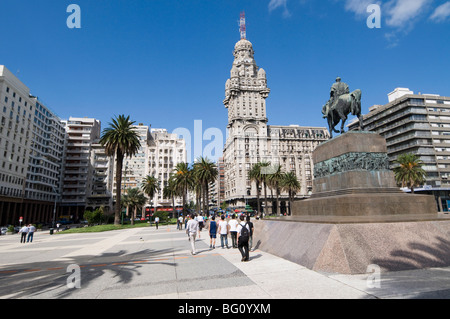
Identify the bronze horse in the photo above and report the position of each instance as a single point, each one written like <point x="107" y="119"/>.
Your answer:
<point x="346" y="104"/>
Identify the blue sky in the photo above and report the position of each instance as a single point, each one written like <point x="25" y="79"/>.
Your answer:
<point x="165" y="62"/>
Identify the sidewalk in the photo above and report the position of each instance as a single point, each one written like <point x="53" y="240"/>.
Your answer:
<point x="157" y="264"/>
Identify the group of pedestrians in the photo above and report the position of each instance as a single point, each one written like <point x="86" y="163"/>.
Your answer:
<point x="241" y="233"/>
<point x="27" y="233"/>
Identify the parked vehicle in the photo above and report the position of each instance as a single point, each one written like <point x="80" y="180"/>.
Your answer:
<point x="3" y="230"/>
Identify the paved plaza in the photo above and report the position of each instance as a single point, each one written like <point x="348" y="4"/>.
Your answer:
<point x="157" y="264"/>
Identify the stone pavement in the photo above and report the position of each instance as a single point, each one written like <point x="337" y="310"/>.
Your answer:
<point x="157" y="264"/>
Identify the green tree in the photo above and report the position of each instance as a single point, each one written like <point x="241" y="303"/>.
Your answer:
<point x="290" y="184"/>
<point x="94" y="217"/>
<point x="264" y="168"/>
<point x="409" y="172"/>
<point x="120" y="140"/>
<point x="134" y="199"/>
<point x="183" y="179"/>
<point x="206" y="172"/>
<point x="275" y="178"/>
<point x="171" y="191"/>
<point x="255" y="175"/>
<point x="150" y="186"/>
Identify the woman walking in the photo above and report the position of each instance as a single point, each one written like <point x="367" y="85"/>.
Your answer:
<point x="212" y="232"/>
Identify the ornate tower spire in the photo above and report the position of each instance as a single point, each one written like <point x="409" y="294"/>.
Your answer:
<point x="242" y="26"/>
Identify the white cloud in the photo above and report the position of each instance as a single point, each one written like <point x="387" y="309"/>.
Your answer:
<point x="274" y="4"/>
<point x="401" y="13"/>
<point x="359" y="6"/>
<point x="441" y="13"/>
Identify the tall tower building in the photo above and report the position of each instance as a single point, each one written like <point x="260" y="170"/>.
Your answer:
<point x="252" y="140"/>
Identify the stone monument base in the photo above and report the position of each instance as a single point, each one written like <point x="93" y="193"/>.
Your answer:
<point x="351" y="248"/>
<point x="353" y="181"/>
<point x="366" y="207"/>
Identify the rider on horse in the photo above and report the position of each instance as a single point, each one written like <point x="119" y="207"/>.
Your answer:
<point x="337" y="89"/>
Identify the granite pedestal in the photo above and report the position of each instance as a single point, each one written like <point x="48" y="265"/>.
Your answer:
<point x="352" y="178"/>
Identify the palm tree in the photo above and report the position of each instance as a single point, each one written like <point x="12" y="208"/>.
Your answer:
<point x="197" y="188"/>
<point x="275" y="177"/>
<point x="183" y="179"/>
<point x="120" y="139"/>
<point x="206" y="172"/>
<point x="170" y="191"/>
<point x="409" y="172"/>
<point x="135" y="199"/>
<point x="255" y="175"/>
<point x="150" y="186"/>
<point x="290" y="184"/>
<point x="264" y="167"/>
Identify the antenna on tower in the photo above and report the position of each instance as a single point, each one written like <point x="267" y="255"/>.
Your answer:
<point x="242" y="27"/>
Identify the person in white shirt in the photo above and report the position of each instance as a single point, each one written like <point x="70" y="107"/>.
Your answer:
<point x="180" y="223"/>
<point x="233" y="230"/>
<point x="24" y="231"/>
<point x="200" y="224"/>
<point x="31" y="230"/>
<point x="191" y="231"/>
<point x="223" y="231"/>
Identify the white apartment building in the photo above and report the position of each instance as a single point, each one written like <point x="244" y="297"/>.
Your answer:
<point x="31" y="150"/>
<point x="166" y="150"/>
<point x="78" y="173"/>
<point x="158" y="155"/>
<point x="100" y="194"/>
<point x="15" y="134"/>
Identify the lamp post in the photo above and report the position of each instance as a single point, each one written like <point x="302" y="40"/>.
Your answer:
<point x="54" y="208"/>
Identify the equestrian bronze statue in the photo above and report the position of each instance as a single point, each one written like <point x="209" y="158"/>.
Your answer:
<point x="342" y="103"/>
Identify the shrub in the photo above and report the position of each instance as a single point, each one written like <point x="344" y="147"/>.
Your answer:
<point x="163" y="216"/>
<point x="95" y="217"/>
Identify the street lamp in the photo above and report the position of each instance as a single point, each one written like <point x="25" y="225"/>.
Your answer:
<point x="54" y="208"/>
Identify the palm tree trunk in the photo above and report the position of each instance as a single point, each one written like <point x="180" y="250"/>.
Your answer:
<point x="205" y="199"/>
<point x="278" y="199"/>
<point x="257" y="197"/>
<point x="133" y="215"/>
<point x="173" y="206"/>
<point x="265" y="199"/>
<point x="118" y="208"/>
<point x="290" y="202"/>
<point x="184" y="196"/>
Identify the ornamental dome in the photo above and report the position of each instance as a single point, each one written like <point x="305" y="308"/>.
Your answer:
<point x="243" y="44"/>
<point x="261" y="73"/>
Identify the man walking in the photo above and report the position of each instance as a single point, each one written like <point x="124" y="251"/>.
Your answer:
<point x="191" y="231"/>
<point x="23" y="231"/>
<point x="223" y="231"/>
<point x="233" y="230"/>
<point x="31" y="230"/>
<point x="243" y="233"/>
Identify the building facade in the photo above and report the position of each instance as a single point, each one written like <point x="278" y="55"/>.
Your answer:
<point x="158" y="156"/>
<point x="417" y="124"/>
<point x="252" y="140"/>
<point x="31" y="152"/>
<point x="78" y="172"/>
